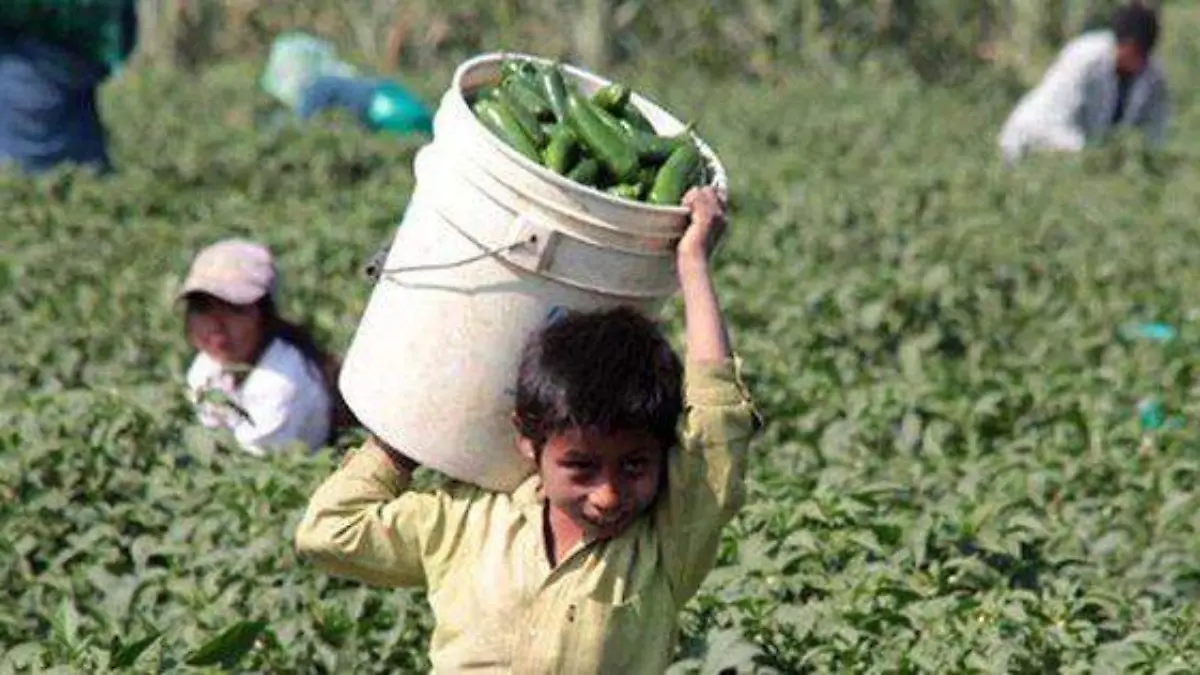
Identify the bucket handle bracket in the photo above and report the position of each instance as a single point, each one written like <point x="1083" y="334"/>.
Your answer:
<point x="530" y="246"/>
<point x="542" y="241"/>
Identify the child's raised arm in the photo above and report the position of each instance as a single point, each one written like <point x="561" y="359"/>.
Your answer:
<point x="706" y="476"/>
<point x="707" y="337"/>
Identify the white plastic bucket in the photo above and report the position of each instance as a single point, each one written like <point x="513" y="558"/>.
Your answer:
<point x="490" y="245"/>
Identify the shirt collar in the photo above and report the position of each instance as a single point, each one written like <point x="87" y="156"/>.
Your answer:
<point x="528" y="498"/>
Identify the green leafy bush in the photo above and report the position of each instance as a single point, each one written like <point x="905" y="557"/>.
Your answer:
<point x="952" y="478"/>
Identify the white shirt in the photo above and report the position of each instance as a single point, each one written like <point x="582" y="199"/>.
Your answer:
<point x="281" y="401"/>
<point x="1073" y="105"/>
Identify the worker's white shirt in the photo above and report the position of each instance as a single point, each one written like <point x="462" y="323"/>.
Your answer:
<point x="283" y="400"/>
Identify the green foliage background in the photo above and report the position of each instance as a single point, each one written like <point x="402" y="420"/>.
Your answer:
<point x="952" y="479"/>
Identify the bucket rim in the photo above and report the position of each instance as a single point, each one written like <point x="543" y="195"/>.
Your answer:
<point x="720" y="177"/>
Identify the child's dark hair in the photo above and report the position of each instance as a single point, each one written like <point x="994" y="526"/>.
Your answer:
<point x="1138" y="24"/>
<point x="326" y="363"/>
<point x="612" y="370"/>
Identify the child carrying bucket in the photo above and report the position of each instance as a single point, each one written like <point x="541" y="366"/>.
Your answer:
<point x="585" y="567"/>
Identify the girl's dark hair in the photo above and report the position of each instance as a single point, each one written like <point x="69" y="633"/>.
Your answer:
<point x="326" y="363"/>
<point x="611" y="370"/>
<point x="1136" y="23"/>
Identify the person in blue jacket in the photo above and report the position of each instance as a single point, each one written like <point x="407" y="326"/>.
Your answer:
<point x="378" y="104"/>
<point x="304" y="74"/>
<point x="54" y="55"/>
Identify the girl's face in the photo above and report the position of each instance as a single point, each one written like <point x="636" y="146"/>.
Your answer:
<point x="229" y="334"/>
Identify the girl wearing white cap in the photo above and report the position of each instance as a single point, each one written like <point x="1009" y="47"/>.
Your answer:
<point x="256" y="374"/>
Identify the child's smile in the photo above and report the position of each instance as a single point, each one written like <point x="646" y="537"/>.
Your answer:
<point x="596" y="484"/>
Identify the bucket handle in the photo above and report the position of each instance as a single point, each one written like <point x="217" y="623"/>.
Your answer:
<point x="375" y="270"/>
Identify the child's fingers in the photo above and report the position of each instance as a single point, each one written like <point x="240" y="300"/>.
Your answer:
<point x="705" y="199"/>
<point x="689" y="198"/>
<point x="714" y="205"/>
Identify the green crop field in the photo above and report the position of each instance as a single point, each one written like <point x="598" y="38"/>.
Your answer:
<point x="952" y="479"/>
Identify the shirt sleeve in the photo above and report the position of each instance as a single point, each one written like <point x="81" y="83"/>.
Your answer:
<point x="275" y="418"/>
<point x="363" y="524"/>
<point x="268" y="425"/>
<point x="1157" y="113"/>
<point x="706" y="475"/>
<point x="202" y="380"/>
<point x="280" y="407"/>
<point x="1048" y="117"/>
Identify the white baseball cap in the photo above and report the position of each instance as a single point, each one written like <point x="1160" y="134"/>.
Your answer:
<point x="237" y="271"/>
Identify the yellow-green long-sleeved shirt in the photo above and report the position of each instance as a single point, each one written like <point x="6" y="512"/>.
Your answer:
<point x="608" y="607"/>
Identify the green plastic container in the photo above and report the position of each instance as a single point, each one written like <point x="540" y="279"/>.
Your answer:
<point x="394" y="110"/>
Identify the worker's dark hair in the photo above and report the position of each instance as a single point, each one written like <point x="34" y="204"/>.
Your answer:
<point x="1138" y="24"/>
<point x="611" y="370"/>
<point x="326" y="363"/>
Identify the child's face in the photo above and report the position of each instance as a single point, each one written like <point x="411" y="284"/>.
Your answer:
<point x="601" y="481"/>
<point x="230" y="334"/>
